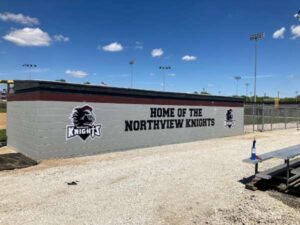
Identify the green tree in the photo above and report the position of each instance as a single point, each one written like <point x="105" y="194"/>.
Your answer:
<point x="61" y="80"/>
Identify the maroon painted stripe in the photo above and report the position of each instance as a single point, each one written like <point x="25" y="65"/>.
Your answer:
<point x="68" y="97"/>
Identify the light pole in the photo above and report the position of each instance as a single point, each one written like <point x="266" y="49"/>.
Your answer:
<point x="255" y="38"/>
<point x="29" y="66"/>
<point x="131" y="63"/>
<point x="296" y="96"/>
<point x="237" y="78"/>
<point x="247" y="85"/>
<point x="164" y="75"/>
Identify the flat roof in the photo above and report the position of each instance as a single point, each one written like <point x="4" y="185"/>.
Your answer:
<point x="68" y="90"/>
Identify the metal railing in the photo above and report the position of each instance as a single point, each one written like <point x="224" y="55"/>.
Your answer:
<point x="263" y="117"/>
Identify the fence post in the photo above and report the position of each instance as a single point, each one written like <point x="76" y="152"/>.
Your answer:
<point x="272" y="111"/>
<point x="285" y="117"/>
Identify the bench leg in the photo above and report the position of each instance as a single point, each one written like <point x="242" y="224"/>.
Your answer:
<point x="287" y="173"/>
<point x="256" y="168"/>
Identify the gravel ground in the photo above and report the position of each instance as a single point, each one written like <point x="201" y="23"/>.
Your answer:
<point x="191" y="183"/>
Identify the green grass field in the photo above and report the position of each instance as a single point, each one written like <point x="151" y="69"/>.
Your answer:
<point x="2" y="135"/>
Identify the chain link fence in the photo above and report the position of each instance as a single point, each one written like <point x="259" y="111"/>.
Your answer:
<point x="261" y="117"/>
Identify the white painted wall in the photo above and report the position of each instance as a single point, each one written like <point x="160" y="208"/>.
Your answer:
<point x="38" y="128"/>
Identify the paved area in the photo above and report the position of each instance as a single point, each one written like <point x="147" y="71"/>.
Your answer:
<point x="182" y="184"/>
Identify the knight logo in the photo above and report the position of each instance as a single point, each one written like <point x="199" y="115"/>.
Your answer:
<point x="229" y="122"/>
<point x="83" y="120"/>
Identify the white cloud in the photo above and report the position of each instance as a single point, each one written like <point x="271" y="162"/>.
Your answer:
<point x="112" y="47"/>
<point x="76" y="73"/>
<point x="293" y="77"/>
<point x="157" y="52"/>
<point x="279" y="34"/>
<point x="61" y="38"/>
<point x="295" y="30"/>
<point x="28" y="37"/>
<point x="172" y="75"/>
<point x="138" y="45"/>
<point x="189" y="58"/>
<point x="18" y="18"/>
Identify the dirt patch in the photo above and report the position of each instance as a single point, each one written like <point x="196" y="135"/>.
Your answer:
<point x="2" y="120"/>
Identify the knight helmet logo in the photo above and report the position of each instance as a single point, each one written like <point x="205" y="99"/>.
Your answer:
<point x="229" y="122"/>
<point x="83" y="120"/>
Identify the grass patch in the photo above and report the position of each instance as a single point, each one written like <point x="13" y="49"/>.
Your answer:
<point x="2" y="107"/>
<point x="2" y="135"/>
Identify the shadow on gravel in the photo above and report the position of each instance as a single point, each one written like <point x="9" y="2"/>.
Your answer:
<point x="287" y="199"/>
<point x="290" y="197"/>
<point x="12" y="161"/>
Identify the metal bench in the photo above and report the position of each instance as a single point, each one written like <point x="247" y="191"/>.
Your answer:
<point x="269" y="173"/>
<point x="289" y="166"/>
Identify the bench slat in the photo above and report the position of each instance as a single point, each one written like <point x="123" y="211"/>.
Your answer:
<point x="269" y="173"/>
<point x="285" y="153"/>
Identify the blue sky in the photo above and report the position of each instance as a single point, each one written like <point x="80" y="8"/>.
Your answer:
<point x="95" y="40"/>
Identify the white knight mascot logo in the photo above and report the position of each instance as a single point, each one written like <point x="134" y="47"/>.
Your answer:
<point x="84" y="126"/>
